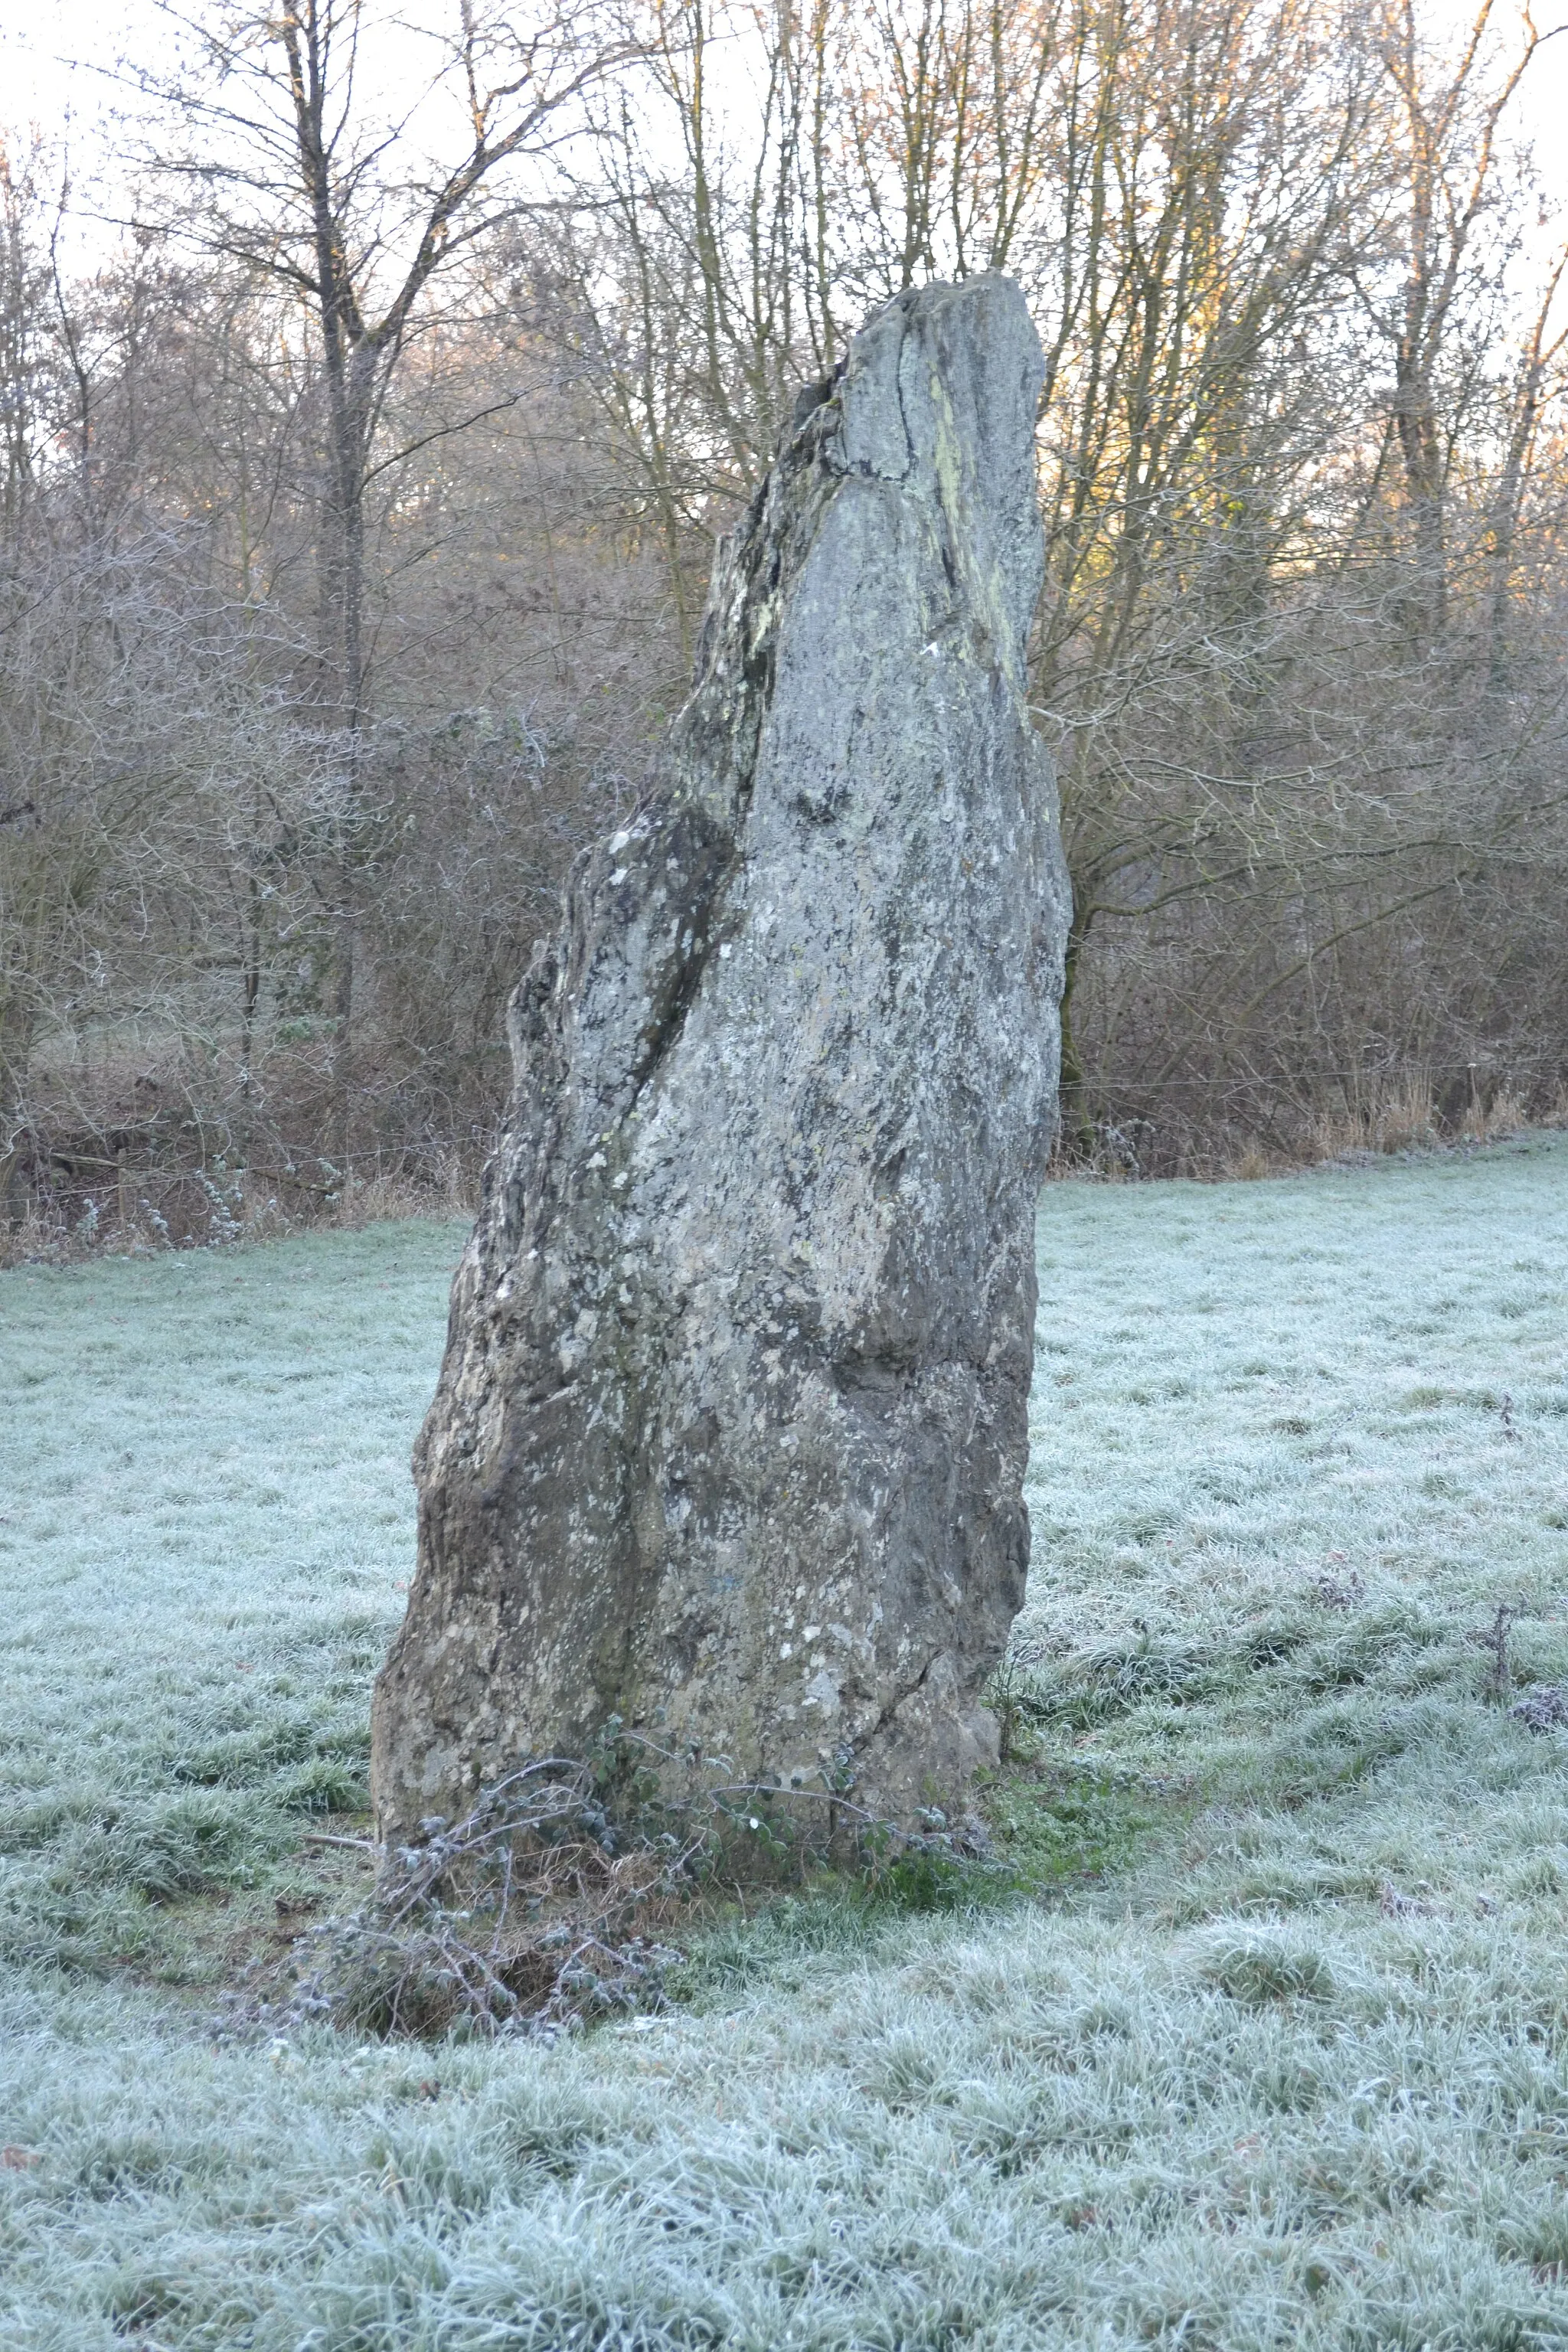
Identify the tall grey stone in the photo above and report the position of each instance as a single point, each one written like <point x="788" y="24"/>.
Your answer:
<point x="731" y="1434"/>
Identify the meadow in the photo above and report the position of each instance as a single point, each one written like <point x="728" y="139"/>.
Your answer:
<point x="1256" y="2034"/>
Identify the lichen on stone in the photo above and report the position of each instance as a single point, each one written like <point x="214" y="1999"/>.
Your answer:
<point x="729" y="1439"/>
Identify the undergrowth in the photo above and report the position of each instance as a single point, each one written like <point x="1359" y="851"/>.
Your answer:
<point x="527" y="1915"/>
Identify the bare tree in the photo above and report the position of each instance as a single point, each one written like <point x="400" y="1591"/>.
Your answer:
<point x="308" y="175"/>
<point x="1232" y="215"/>
<point x="1442" y="309"/>
<point x="355" y="538"/>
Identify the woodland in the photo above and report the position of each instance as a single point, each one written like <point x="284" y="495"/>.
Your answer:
<point x="363" y="472"/>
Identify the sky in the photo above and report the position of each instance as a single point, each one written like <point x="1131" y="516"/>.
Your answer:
<point x="73" y="69"/>
<point x="74" y="61"/>
<point x="60" y="56"/>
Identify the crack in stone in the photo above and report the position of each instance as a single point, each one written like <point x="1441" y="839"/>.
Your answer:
<point x="717" y="1351"/>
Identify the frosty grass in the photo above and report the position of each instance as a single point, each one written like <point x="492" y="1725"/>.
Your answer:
<point x="1275" y="2052"/>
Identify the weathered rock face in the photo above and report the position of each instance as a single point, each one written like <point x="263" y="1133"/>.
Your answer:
<point x="731" y="1434"/>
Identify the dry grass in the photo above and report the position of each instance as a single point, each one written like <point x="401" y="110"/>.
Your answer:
<point x="1398" y="1115"/>
<point x="220" y="1207"/>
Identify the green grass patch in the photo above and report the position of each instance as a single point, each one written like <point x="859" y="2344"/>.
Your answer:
<point x="1062" y="1827"/>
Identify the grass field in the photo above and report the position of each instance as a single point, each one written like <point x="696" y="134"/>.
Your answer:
<point x="1276" y="2052"/>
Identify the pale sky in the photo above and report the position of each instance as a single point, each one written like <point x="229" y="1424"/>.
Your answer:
<point x="71" y="67"/>
<point x="69" y="59"/>
<point x="57" y="54"/>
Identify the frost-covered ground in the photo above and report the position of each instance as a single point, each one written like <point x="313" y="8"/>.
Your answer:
<point x="1280" y="2059"/>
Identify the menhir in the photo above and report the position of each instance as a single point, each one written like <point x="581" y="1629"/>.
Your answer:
<point x="731" y="1435"/>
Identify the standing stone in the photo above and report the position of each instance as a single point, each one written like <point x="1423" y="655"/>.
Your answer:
<point x="731" y="1435"/>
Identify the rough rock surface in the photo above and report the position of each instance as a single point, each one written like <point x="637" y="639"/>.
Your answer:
<point x="731" y="1434"/>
